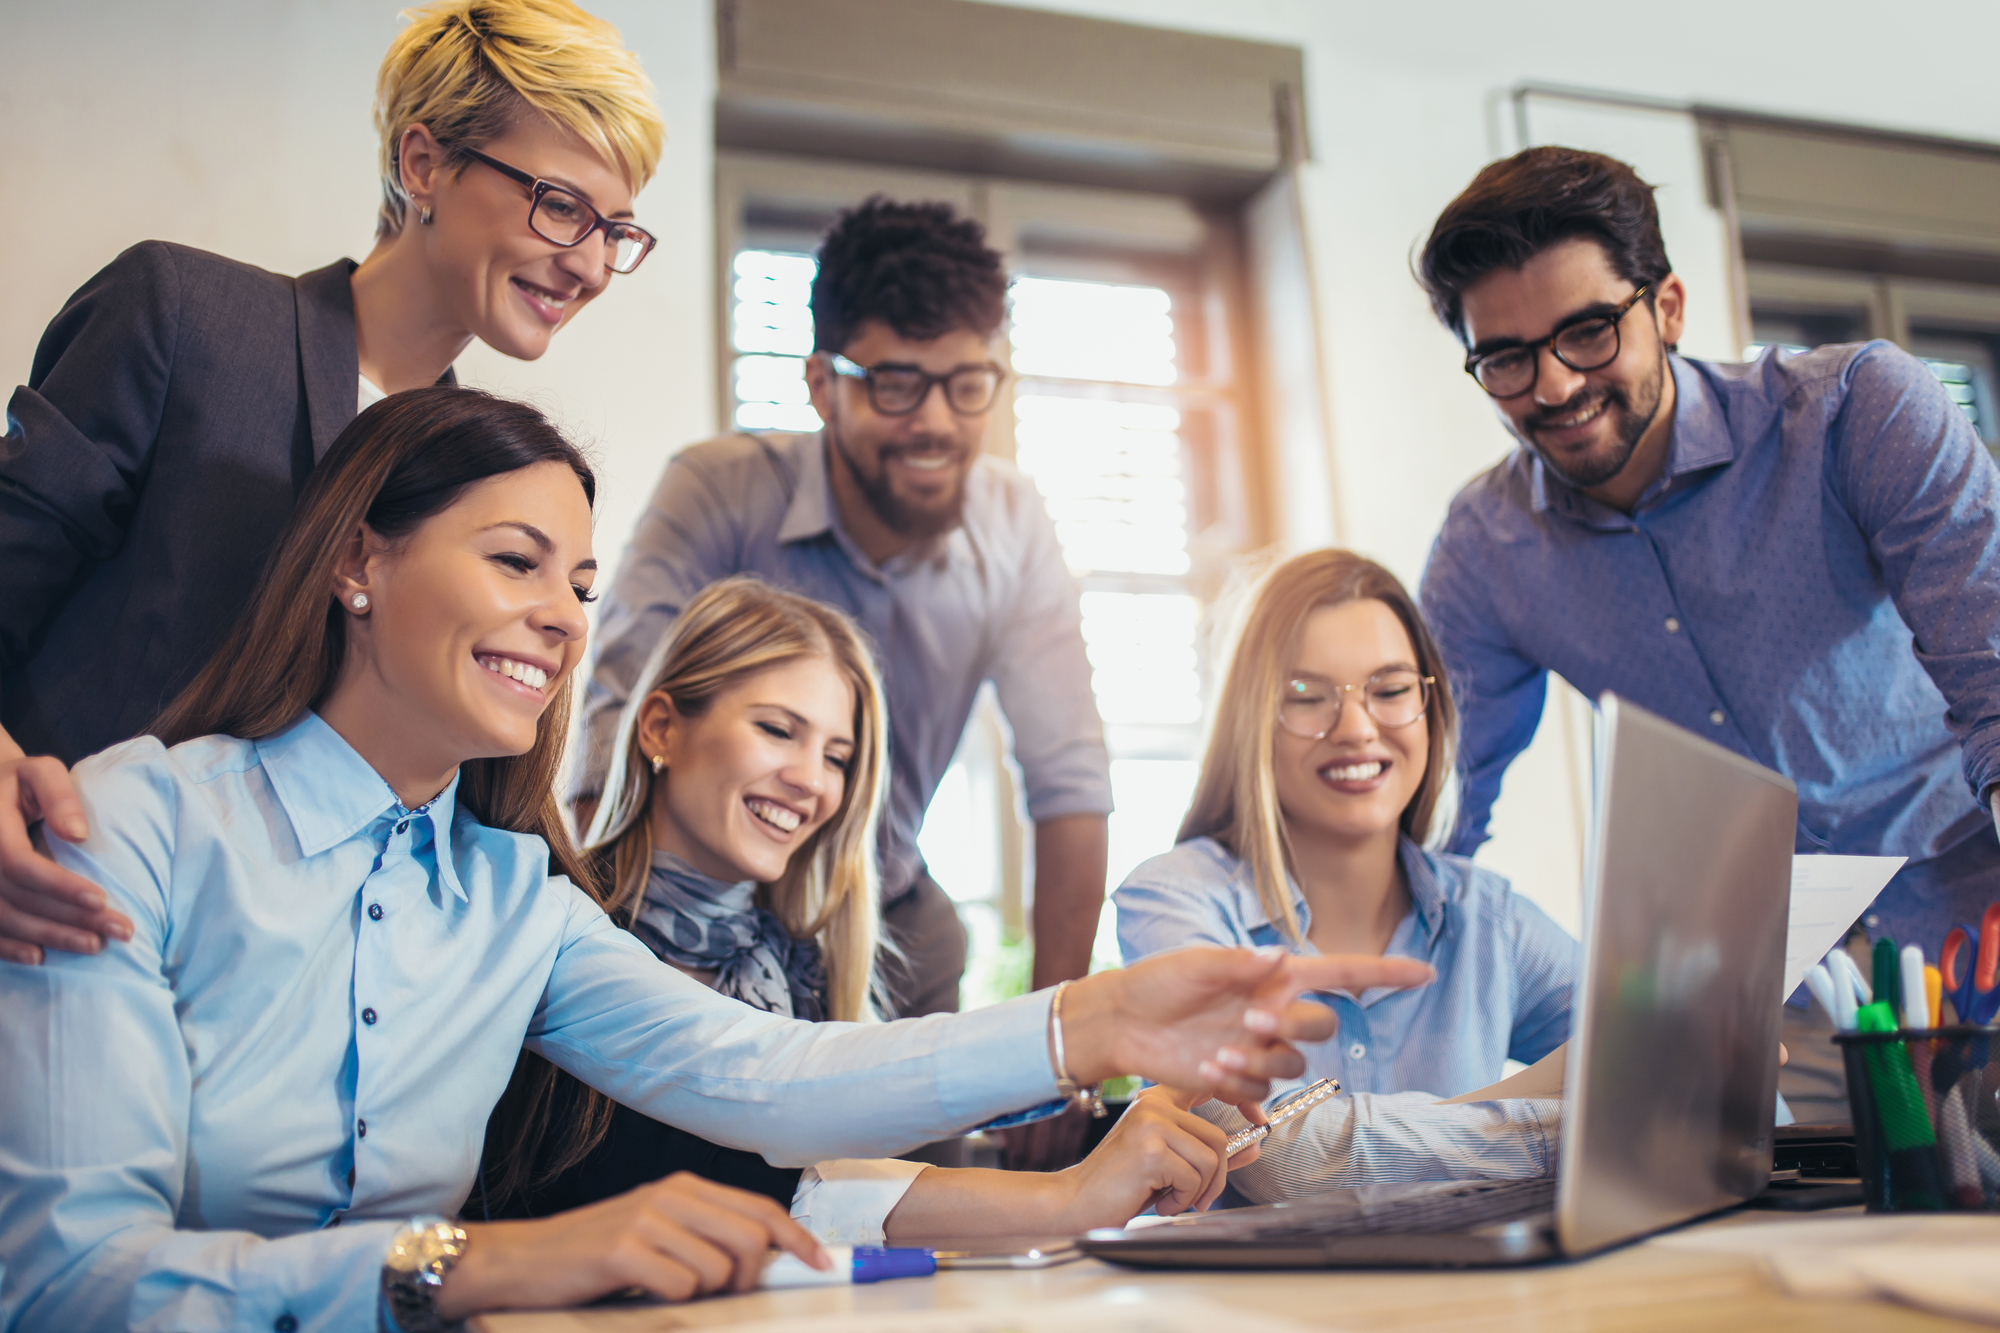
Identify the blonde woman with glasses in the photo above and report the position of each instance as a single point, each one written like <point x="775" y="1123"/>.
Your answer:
<point x="1325" y="775"/>
<point x="180" y="400"/>
<point x="738" y="843"/>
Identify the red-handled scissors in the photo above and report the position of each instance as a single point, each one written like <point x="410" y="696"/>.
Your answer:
<point x="1969" y="965"/>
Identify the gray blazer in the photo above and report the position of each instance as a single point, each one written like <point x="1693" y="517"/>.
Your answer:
<point x="174" y="409"/>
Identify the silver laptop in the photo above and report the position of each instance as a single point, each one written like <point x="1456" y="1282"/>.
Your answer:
<point x="1672" y="1072"/>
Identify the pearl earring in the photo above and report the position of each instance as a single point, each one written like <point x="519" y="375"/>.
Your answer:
<point x="424" y="216"/>
<point x="659" y="762"/>
<point x="359" y="601"/>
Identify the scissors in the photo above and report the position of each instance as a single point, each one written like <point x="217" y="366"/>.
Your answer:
<point x="1968" y="965"/>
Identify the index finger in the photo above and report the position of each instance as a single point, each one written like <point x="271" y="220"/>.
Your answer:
<point x="1357" y="972"/>
<point x="786" y="1234"/>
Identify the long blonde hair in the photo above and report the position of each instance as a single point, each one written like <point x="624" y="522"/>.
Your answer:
<point x="1236" y="797"/>
<point x="731" y="631"/>
<point x="469" y="70"/>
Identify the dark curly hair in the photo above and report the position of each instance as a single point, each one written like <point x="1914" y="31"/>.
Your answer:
<point x="919" y="268"/>
<point x="1520" y="206"/>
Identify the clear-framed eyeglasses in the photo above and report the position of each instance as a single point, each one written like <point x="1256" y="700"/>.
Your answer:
<point x="566" y="218"/>
<point x="1309" y="707"/>
<point x="1588" y="342"/>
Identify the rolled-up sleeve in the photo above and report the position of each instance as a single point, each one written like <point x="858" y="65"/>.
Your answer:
<point x="662" y="1043"/>
<point x="91" y="1185"/>
<point x="1922" y="488"/>
<point x="1402" y="1137"/>
<point x="1042" y="674"/>
<point x="848" y="1201"/>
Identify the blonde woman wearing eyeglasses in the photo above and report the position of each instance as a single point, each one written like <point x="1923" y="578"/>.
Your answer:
<point x="180" y="399"/>
<point x="1330" y="759"/>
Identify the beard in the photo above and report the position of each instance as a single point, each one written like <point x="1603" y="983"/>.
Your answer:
<point x="919" y="522"/>
<point x="1630" y="415"/>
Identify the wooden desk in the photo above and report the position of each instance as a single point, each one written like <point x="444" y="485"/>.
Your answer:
<point x="1636" y="1289"/>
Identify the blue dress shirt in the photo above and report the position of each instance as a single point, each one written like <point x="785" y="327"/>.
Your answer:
<point x="1505" y="971"/>
<point x="220" y="1124"/>
<point x="990" y="600"/>
<point x="1813" y="582"/>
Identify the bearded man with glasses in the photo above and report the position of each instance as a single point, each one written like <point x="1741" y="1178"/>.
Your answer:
<point x="945" y="555"/>
<point x="1798" y="558"/>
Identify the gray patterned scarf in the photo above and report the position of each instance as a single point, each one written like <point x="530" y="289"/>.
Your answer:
<point x="693" y="921"/>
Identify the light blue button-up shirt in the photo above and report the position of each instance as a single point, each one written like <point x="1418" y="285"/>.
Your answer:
<point x="990" y="600"/>
<point x="1813" y="582"/>
<point x="1505" y="971"/>
<point x="222" y="1122"/>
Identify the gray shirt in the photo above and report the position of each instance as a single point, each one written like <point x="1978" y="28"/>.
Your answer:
<point x="990" y="600"/>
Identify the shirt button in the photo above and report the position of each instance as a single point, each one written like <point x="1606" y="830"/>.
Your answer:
<point x="374" y="911"/>
<point x="368" y="1017"/>
<point x="1715" y="716"/>
<point x="1356" y="1051"/>
<point x="285" y="1323"/>
<point x="403" y="826"/>
<point x="361" y="1128"/>
<point x="1673" y="625"/>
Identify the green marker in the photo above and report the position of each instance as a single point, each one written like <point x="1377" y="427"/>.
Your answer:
<point x="1888" y="978"/>
<point x="1899" y="1106"/>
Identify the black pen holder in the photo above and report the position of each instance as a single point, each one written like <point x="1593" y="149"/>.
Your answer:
<point x="1926" y="1107"/>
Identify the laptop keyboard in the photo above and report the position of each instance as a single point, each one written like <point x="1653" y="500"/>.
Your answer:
<point x="1422" y="1209"/>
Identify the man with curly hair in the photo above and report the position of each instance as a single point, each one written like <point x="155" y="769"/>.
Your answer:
<point x="943" y="554"/>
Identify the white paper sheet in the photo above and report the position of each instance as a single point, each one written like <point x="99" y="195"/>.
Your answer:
<point x="1829" y="894"/>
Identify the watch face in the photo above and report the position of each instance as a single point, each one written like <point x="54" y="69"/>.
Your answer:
<point x="429" y="1249"/>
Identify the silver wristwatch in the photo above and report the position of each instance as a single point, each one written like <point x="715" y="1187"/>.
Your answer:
<point x="419" y="1257"/>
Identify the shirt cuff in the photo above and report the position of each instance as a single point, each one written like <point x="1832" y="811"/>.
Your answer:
<point x="848" y="1201"/>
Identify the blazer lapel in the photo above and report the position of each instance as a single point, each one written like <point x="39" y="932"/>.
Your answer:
<point x="329" y="357"/>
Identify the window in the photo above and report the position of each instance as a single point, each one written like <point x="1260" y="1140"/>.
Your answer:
<point x="1123" y="410"/>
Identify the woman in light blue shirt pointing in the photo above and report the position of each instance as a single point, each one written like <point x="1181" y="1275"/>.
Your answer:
<point x="1329" y="760"/>
<point x="354" y="902"/>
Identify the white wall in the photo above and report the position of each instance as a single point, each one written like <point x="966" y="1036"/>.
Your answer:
<point x="242" y="126"/>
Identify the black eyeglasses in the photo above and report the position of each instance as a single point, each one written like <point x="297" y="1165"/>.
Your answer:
<point x="563" y="217"/>
<point x="1590" y="342"/>
<point x="896" y="390"/>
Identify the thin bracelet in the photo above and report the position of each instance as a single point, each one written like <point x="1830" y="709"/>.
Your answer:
<point x="1092" y="1096"/>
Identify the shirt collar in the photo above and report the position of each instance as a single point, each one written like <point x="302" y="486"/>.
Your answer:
<point x="812" y="513"/>
<point x="330" y="793"/>
<point x="1701" y="440"/>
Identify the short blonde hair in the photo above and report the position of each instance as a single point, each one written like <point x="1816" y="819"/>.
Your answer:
<point x="1236" y="796"/>
<point x="732" y="630"/>
<point x="470" y="69"/>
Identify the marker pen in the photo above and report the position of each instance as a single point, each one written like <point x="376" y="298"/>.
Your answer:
<point x="852" y="1264"/>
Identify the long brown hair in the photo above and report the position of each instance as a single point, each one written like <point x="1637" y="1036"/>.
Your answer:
<point x="1236" y="797"/>
<point x="405" y="459"/>
<point x="729" y="632"/>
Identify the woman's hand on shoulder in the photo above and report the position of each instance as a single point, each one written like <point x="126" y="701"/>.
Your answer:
<point x="676" y="1238"/>
<point x="42" y="905"/>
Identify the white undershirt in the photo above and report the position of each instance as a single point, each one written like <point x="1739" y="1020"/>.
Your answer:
<point x="369" y="396"/>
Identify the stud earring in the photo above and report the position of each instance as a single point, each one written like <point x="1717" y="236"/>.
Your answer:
<point x="424" y="216"/>
<point x="359" y="601"/>
<point x="659" y="762"/>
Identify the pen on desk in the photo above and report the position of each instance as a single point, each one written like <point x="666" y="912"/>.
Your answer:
<point x="1910" y="982"/>
<point x="852" y="1264"/>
